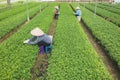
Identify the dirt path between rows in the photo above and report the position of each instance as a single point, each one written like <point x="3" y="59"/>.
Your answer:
<point x="111" y="65"/>
<point x="108" y="62"/>
<point x="39" y="70"/>
<point x="18" y="27"/>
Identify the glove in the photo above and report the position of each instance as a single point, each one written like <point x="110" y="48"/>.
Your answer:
<point x="26" y="41"/>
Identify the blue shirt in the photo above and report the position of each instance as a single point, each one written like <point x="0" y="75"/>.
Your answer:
<point x="78" y="13"/>
<point x="36" y="39"/>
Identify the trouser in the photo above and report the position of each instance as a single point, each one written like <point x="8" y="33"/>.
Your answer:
<point x="79" y="18"/>
<point x="42" y="46"/>
<point x="56" y="16"/>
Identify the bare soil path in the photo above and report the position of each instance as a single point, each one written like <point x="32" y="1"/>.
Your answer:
<point x="39" y="70"/>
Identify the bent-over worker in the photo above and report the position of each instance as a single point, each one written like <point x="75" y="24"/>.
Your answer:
<point x="40" y="38"/>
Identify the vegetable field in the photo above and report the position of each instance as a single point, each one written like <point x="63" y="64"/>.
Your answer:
<point x="73" y="56"/>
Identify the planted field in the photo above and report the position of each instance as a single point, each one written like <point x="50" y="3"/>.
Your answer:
<point x="107" y="34"/>
<point x="16" y="58"/>
<point x="109" y="8"/>
<point x="117" y="6"/>
<point x="14" y="21"/>
<point x="112" y="17"/>
<point x="17" y="10"/>
<point x="73" y="57"/>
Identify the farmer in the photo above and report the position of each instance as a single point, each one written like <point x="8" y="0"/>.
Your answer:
<point x="78" y="13"/>
<point x="56" y="13"/>
<point x="41" y="39"/>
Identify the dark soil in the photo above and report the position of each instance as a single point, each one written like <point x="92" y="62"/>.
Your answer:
<point x="104" y="55"/>
<point x="39" y="70"/>
<point x="40" y="67"/>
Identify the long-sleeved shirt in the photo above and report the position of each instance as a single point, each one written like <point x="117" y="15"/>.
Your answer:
<point x="78" y="13"/>
<point x="36" y="39"/>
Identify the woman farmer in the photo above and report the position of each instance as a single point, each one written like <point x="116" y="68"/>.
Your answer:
<point x="56" y="13"/>
<point x="78" y="13"/>
<point x="40" y="38"/>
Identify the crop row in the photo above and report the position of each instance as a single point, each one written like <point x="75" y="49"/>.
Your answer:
<point x="16" y="58"/>
<point x="73" y="57"/>
<point x="111" y="9"/>
<point x="4" y="7"/>
<point x="107" y="33"/>
<point x="17" y="10"/>
<point x="115" y="18"/>
<point x="117" y="6"/>
<point x="12" y="22"/>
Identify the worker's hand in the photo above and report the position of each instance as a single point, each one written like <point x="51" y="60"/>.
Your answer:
<point x="26" y="41"/>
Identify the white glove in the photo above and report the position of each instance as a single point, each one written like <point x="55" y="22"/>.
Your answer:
<point x="26" y="41"/>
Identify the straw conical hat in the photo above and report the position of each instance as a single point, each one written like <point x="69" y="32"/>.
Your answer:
<point x="77" y="8"/>
<point x="37" y="32"/>
<point x="56" y="7"/>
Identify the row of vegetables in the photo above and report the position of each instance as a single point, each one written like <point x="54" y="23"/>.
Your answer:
<point x="4" y="7"/>
<point x="13" y="22"/>
<point x="109" y="8"/>
<point x="14" y="11"/>
<point x="115" y="18"/>
<point x="117" y="6"/>
<point x="16" y="58"/>
<point x="73" y="57"/>
<point x="106" y="32"/>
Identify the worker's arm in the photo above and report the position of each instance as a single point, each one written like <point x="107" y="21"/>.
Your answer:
<point x="33" y="40"/>
<point x="77" y="13"/>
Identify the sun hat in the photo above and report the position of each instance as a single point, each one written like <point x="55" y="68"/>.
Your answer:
<point x="37" y="32"/>
<point x="77" y="8"/>
<point x="56" y="7"/>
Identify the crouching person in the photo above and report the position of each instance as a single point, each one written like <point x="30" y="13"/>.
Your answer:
<point x="56" y="13"/>
<point x="43" y="40"/>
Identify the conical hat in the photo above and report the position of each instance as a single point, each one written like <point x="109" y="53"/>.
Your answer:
<point x="77" y="8"/>
<point x="56" y="7"/>
<point x="37" y="32"/>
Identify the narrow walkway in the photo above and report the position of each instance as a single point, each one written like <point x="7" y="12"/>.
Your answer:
<point x="39" y="70"/>
<point x="18" y="27"/>
<point x="111" y="66"/>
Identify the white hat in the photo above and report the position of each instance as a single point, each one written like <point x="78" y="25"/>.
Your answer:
<point x="37" y="32"/>
<point x="77" y="8"/>
<point x="56" y="7"/>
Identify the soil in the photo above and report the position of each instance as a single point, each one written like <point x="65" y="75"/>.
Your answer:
<point x="18" y="27"/>
<point x="39" y="70"/>
<point x="110" y="64"/>
<point x="40" y="67"/>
